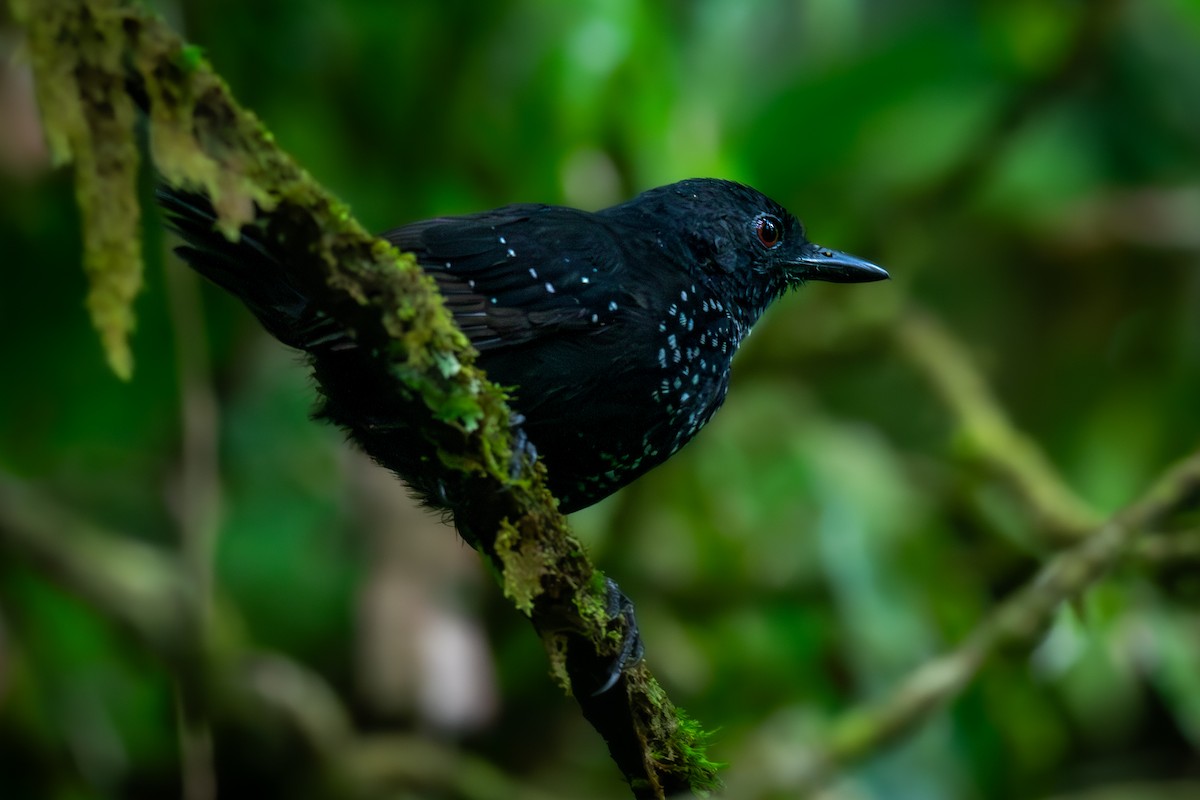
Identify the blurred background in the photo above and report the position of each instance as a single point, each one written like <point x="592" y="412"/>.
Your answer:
<point x="1029" y="171"/>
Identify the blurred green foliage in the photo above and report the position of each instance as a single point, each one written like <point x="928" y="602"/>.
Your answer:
<point x="821" y="538"/>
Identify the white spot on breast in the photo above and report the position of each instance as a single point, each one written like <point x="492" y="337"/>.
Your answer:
<point x="512" y="253"/>
<point x="584" y="279"/>
<point x="612" y="305"/>
<point x="550" y="288"/>
<point x="503" y="240"/>
<point x="533" y="273"/>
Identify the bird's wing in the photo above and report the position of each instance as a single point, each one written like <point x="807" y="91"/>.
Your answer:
<point x="520" y="273"/>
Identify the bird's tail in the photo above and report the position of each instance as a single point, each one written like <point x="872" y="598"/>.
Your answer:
<point x="247" y="269"/>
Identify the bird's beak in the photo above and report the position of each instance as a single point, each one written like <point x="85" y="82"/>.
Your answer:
<point x="816" y="263"/>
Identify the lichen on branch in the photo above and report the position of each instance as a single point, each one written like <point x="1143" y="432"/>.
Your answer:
<point x="95" y="63"/>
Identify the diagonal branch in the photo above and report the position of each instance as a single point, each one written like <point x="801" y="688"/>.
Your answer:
<point x="1017" y="622"/>
<point x="92" y="56"/>
<point x="987" y="435"/>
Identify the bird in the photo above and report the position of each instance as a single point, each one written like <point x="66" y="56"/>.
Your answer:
<point x="614" y="331"/>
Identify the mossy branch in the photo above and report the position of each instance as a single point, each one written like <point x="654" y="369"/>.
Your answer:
<point x="87" y="54"/>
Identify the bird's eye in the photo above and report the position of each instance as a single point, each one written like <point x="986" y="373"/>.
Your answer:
<point x="769" y="230"/>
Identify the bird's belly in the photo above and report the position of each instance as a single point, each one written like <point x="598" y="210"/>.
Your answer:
<point x="596" y="441"/>
<point x="604" y="408"/>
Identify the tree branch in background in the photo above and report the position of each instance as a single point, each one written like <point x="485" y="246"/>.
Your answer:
<point x="197" y="506"/>
<point x="144" y="590"/>
<point x="1017" y="622"/>
<point x="201" y="139"/>
<point x="987" y="436"/>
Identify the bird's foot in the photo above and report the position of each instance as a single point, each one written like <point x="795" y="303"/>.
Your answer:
<point x="632" y="648"/>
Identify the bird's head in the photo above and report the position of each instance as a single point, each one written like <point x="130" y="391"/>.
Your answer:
<point x="740" y="237"/>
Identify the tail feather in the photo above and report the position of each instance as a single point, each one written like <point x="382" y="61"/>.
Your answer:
<point x="358" y="393"/>
<point x="247" y="269"/>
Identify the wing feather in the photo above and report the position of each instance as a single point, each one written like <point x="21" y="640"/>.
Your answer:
<point x="519" y="273"/>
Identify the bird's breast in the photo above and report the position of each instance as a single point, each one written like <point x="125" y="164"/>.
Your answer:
<point x="694" y="341"/>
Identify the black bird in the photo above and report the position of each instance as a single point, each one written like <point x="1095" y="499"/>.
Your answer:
<point x="615" y="328"/>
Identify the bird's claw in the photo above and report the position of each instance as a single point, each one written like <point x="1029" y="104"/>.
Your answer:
<point x="632" y="648"/>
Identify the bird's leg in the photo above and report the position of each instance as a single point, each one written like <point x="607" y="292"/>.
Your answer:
<point x="617" y="603"/>
<point x="632" y="648"/>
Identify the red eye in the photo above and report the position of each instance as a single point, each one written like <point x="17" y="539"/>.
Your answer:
<point x="769" y="230"/>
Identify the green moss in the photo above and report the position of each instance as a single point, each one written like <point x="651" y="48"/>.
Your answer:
<point x="88" y="117"/>
<point x="191" y="57"/>
<point x="556" y="652"/>
<point x="523" y="567"/>
<point x="592" y="605"/>
<point x="681" y="748"/>
<point x="692" y="740"/>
